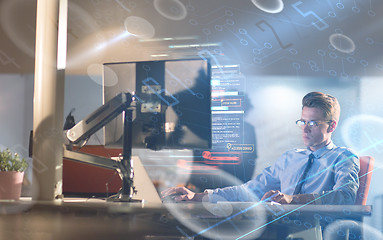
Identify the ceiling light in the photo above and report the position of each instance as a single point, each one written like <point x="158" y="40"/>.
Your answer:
<point x="195" y="45"/>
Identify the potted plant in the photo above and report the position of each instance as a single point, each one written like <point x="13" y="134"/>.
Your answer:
<point x="12" y="169"/>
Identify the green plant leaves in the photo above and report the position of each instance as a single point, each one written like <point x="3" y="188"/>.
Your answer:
<point x="12" y="162"/>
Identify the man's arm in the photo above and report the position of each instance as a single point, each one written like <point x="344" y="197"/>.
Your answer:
<point x="277" y="196"/>
<point x="346" y="180"/>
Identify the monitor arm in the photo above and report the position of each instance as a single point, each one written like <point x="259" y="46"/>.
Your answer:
<point x="94" y="122"/>
<point x="99" y="118"/>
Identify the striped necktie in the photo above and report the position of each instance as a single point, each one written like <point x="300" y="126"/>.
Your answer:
<point x="303" y="179"/>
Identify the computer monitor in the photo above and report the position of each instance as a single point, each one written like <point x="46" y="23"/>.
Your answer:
<point x="172" y="103"/>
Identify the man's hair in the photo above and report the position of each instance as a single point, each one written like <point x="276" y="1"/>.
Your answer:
<point x="327" y="103"/>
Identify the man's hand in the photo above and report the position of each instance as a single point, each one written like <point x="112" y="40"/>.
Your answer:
<point x="277" y="196"/>
<point x="182" y="194"/>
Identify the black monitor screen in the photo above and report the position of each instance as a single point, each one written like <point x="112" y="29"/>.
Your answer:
<point x="172" y="103"/>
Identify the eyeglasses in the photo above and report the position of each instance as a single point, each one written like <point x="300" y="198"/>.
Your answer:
<point x="312" y="123"/>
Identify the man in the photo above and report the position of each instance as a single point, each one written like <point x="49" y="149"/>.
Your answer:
<point x="323" y="173"/>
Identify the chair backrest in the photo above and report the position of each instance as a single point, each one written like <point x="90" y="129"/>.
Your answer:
<point x="365" y="173"/>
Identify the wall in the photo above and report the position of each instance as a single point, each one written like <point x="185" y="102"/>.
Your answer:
<point x="369" y="125"/>
<point x="84" y="95"/>
<point x="16" y="114"/>
<point x="15" y="110"/>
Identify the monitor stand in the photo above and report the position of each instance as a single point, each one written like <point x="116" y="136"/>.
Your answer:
<point x="85" y="128"/>
<point x="125" y="165"/>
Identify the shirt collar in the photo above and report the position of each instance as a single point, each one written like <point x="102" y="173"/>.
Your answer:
<point x="320" y="152"/>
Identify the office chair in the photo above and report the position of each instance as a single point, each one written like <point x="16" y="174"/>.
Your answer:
<point x="365" y="174"/>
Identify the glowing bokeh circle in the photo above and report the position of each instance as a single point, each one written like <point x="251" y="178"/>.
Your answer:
<point x="269" y="6"/>
<point x="355" y="230"/>
<point x="171" y="9"/>
<point x="139" y="27"/>
<point x="342" y="43"/>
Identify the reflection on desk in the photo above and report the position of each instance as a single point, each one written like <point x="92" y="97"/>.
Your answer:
<point x="244" y="220"/>
<point x="96" y="219"/>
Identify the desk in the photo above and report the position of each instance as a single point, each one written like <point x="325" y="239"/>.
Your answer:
<point x="97" y="219"/>
<point x="241" y="220"/>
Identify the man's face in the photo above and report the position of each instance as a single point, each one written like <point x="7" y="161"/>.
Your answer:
<point x="316" y="137"/>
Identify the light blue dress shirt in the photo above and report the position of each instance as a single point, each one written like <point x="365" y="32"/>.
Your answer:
<point x="333" y="177"/>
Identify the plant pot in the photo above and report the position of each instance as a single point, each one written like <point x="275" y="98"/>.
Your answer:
<point x="10" y="184"/>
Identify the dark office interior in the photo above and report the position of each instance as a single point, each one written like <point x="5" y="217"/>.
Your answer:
<point x="214" y="88"/>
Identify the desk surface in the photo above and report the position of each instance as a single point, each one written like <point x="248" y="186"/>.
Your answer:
<point x="235" y="207"/>
<point x="98" y="219"/>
